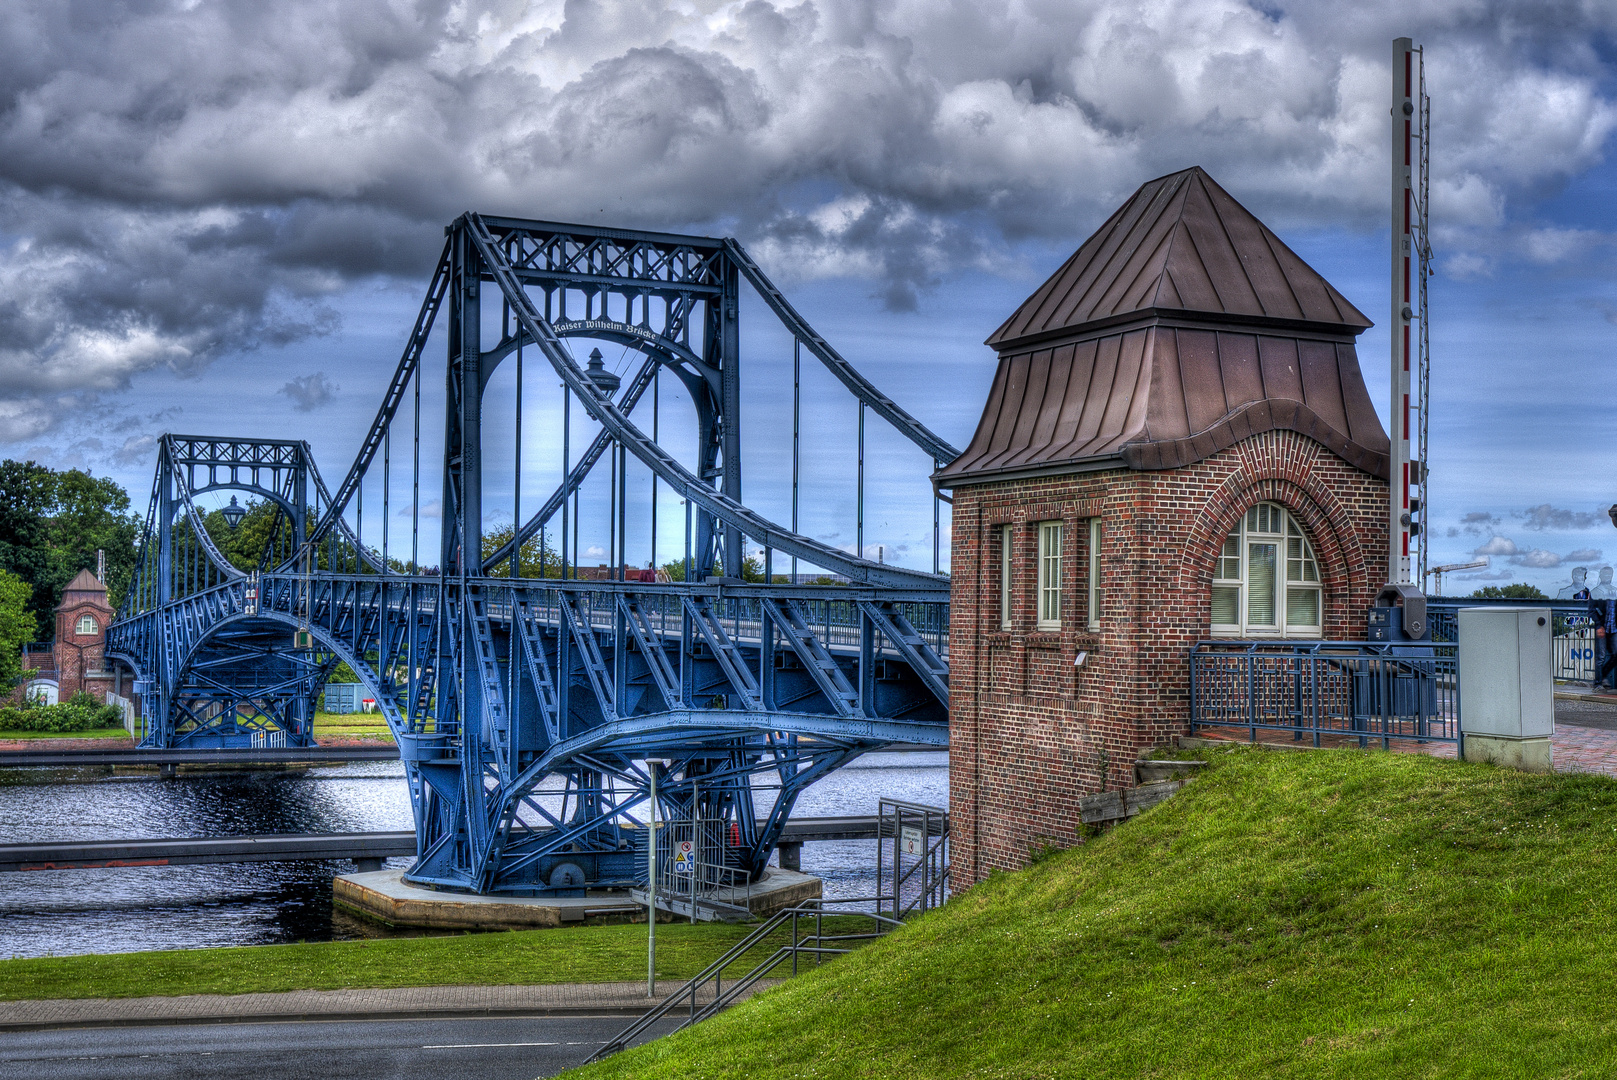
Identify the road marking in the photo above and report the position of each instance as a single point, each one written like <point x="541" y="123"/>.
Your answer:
<point x="480" y="1046"/>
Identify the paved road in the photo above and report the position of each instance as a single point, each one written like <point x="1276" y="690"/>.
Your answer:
<point x="484" y="1049"/>
<point x="1587" y="713"/>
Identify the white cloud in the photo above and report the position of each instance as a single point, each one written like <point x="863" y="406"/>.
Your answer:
<point x="178" y="181"/>
<point x="1467" y="266"/>
<point x="1550" y="245"/>
<point x="137" y="449"/>
<point x="1537" y="558"/>
<point x="1498" y="545"/>
<point x="1582" y="555"/>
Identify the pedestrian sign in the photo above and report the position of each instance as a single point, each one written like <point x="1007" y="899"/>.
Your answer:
<point x="684" y="857"/>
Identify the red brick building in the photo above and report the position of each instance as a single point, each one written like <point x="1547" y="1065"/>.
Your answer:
<point x="1178" y="445"/>
<point x="77" y="658"/>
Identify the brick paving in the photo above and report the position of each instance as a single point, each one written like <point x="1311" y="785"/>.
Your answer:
<point x="1585" y="738"/>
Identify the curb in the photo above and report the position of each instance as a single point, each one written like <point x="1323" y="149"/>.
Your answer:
<point x="315" y="1017"/>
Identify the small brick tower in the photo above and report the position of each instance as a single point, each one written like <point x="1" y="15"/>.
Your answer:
<point x="1177" y="445"/>
<point x="81" y="638"/>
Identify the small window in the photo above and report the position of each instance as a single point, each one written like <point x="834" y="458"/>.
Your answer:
<point x="86" y="626"/>
<point x="1049" y="584"/>
<point x="1266" y="578"/>
<point x="1094" y="573"/>
<point x="1005" y="537"/>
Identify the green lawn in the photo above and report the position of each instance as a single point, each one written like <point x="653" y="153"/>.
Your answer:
<point x="564" y="955"/>
<point x="93" y="733"/>
<point x="326" y="725"/>
<point x="357" y="725"/>
<point x="1323" y="914"/>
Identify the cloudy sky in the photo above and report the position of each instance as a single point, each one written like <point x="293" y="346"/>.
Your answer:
<point x="219" y="216"/>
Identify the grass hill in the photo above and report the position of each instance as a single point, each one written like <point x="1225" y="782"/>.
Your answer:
<point x="1321" y="914"/>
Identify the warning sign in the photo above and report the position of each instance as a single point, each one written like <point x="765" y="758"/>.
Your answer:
<point x="911" y="841"/>
<point x="684" y="857"/>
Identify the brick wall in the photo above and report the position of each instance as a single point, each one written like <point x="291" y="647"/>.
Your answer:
<point x="1029" y="733"/>
<point x="81" y="658"/>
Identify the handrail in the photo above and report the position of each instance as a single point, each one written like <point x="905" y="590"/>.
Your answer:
<point x="714" y="971"/>
<point x="1233" y="646"/>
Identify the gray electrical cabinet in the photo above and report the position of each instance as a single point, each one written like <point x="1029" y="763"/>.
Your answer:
<point x="1507" y="692"/>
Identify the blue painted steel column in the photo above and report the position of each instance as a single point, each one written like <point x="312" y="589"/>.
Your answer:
<point x="730" y="351"/>
<point x="163" y="626"/>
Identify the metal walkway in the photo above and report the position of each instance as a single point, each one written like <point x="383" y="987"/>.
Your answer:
<point x="281" y="847"/>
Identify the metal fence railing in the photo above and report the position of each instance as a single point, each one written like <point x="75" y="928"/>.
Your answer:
<point x="1338" y="690"/>
<point x="700" y="872"/>
<point x="806" y="937"/>
<point x="1442" y="613"/>
<point x="912" y="858"/>
<point x="1575" y="655"/>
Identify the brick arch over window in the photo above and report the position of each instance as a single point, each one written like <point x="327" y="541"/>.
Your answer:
<point x="1283" y="468"/>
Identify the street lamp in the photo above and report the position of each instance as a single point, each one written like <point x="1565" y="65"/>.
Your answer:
<point x="233" y="513"/>
<point x="606" y="383"/>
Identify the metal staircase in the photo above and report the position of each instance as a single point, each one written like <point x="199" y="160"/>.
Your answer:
<point x="814" y="942"/>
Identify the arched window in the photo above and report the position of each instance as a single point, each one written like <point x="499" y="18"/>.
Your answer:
<point x="86" y="625"/>
<point x="1266" y="582"/>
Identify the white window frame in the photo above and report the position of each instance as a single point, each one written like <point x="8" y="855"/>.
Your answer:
<point x="1264" y="525"/>
<point x="1047" y="595"/>
<point x="1006" y="543"/>
<point x="78" y="627"/>
<point x="1094" y="574"/>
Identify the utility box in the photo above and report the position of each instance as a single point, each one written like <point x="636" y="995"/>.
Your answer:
<point x="1507" y="694"/>
<point x="343" y="697"/>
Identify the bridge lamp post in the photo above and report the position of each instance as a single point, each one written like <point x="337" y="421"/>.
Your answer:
<point x="606" y="383"/>
<point x="233" y="513"/>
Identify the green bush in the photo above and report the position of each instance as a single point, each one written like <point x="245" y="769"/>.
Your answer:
<point x="80" y="713"/>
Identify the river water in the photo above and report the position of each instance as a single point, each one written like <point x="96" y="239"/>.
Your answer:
<point x="62" y="912"/>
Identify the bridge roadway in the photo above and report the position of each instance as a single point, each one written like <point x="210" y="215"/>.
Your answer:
<point x="315" y="755"/>
<point x="283" y="847"/>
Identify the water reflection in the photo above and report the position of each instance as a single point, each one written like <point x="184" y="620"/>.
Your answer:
<point x="124" y="910"/>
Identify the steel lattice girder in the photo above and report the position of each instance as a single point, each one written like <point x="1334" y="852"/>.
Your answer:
<point x="527" y="711"/>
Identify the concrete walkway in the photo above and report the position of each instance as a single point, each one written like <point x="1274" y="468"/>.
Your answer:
<point x="406" y="1002"/>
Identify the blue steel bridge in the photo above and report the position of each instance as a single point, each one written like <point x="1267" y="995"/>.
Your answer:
<point x="531" y="705"/>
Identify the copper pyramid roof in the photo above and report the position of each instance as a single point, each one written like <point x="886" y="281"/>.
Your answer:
<point x="84" y="581"/>
<point x="1180" y="328"/>
<point x="1181" y="244"/>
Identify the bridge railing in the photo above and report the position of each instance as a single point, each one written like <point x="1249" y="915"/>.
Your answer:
<point x="740" y="609"/>
<point x="1328" y="692"/>
<point x="1442" y="613"/>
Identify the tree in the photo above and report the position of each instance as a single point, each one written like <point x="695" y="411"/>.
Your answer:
<point x="91" y="513"/>
<point x="532" y="554"/>
<point x="1519" y="591"/>
<point x="16" y="627"/>
<point x="752" y="570"/>
<point x="244" y="545"/>
<point x="51" y="525"/>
